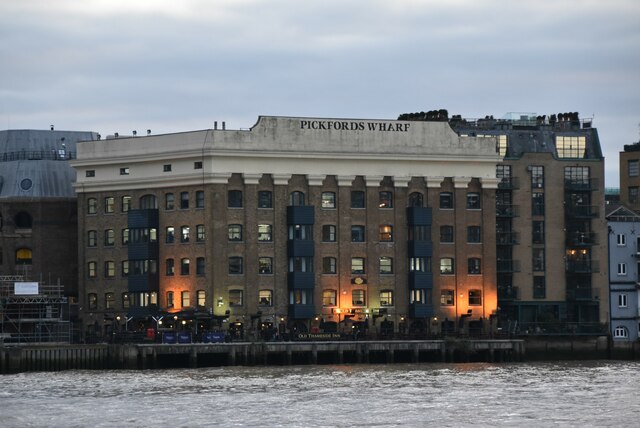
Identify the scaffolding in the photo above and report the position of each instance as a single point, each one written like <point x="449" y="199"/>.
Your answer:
<point x="38" y="316"/>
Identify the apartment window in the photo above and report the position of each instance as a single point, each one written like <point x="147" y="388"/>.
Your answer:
<point x="201" y="296"/>
<point x="124" y="171"/>
<point x="420" y="233"/>
<point x="358" y="298"/>
<point x="235" y="265"/>
<point x="265" y="297"/>
<point x="301" y="232"/>
<point x="328" y="200"/>
<point x="622" y="268"/>
<point x="170" y="303"/>
<point x="446" y="234"/>
<point x="265" y="265"/>
<point x="92" y="301"/>
<point x="199" y="199"/>
<point x="446" y="266"/>
<point x="184" y="200"/>
<point x="92" y="206"/>
<point x="633" y="195"/>
<point x="170" y="234"/>
<point x="169" y="201"/>
<point x="297" y="199"/>
<point x="475" y="297"/>
<point x="109" y="204"/>
<point x="234" y="199"/>
<point x="166" y="167"/>
<point x="265" y="199"/>
<point x="621" y="332"/>
<point x="200" y="266"/>
<point x="148" y="202"/>
<point x="474" y="266"/>
<point x="416" y="199"/>
<point x="126" y="302"/>
<point x="622" y="300"/>
<point x="621" y="240"/>
<point x="537" y="204"/>
<point x="170" y="268"/>
<point x="300" y="297"/>
<point x="125" y="268"/>
<point x="539" y="287"/>
<point x="357" y="265"/>
<point x="420" y="264"/>
<point x="185" y="299"/>
<point x="109" y="300"/>
<point x="329" y="297"/>
<point x="446" y="200"/>
<point x="184" y="266"/>
<point x="502" y="145"/>
<point x="577" y="175"/>
<point x="447" y="297"/>
<point x="386" y="233"/>
<point x="537" y="176"/>
<point x="419" y="296"/>
<point x="632" y="167"/>
<point x="386" y="265"/>
<point x="300" y="264"/>
<point x="473" y="234"/>
<point x="473" y="201"/>
<point x="328" y="233"/>
<point x="91" y="269"/>
<point x="265" y="233"/>
<point x="109" y="238"/>
<point x="109" y="269"/>
<point x="537" y="230"/>
<point x="357" y="233"/>
<point x="538" y="259"/>
<point x="571" y="146"/>
<point x="92" y="238"/>
<point x="503" y="172"/>
<point x="386" y="200"/>
<point x="90" y="173"/>
<point x="386" y="298"/>
<point x="184" y="234"/>
<point x="357" y="199"/>
<point x="125" y="203"/>
<point x="24" y="256"/>
<point x="235" y="232"/>
<point x="235" y="297"/>
<point x="329" y="265"/>
<point x="197" y="165"/>
<point x="200" y="235"/>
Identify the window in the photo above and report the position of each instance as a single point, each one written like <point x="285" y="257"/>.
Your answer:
<point x="109" y="300"/>
<point x="420" y="233"/>
<point x="329" y="297"/>
<point x="265" y="199"/>
<point x="328" y="200"/>
<point x="90" y="173"/>
<point x="416" y="199"/>
<point x="169" y="201"/>
<point x="633" y="195"/>
<point x="622" y="300"/>
<point x="475" y="297"/>
<point x="632" y="167"/>
<point x="537" y="176"/>
<point x="446" y="200"/>
<point x="148" y="202"/>
<point x="92" y="238"/>
<point x="109" y="204"/>
<point x="124" y="171"/>
<point x="329" y="265"/>
<point x="357" y="233"/>
<point x="24" y="256"/>
<point x="234" y="199"/>
<point x="577" y="175"/>
<point x="539" y="287"/>
<point x="125" y="204"/>
<point x="571" y="146"/>
<point x="166" y="167"/>
<point x="386" y="233"/>
<point x="621" y="332"/>
<point x="125" y="268"/>
<point x="109" y="269"/>
<point x="537" y="204"/>
<point x="91" y="269"/>
<point x="92" y="301"/>
<point x="109" y="238"/>
<point x="297" y="199"/>
<point x="265" y="297"/>
<point x="357" y="199"/>
<point x="126" y="302"/>
<point x="23" y="220"/>
<point x="184" y="266"/>
<point x="446" y="234"/>
<point x="473" y="201"/>
<point x="184" y="233"/>
<point x="622" y="268"/>
<point x="538" y="259"/>
<point x="420" y="264"/>
<point x="301" y="232"/>
<point x="502" y="145"/>
<point x="357" y="265"/>
<point x="170" y="268"/>
<point x="474" y="266"/>
<point x="199" y="199"/>
<point x="300" y="297"/>
<point x="358" y="298"/>
<point x="185" y="298"/>
<point x="386" y="200"/>
<point x="200" y="235"/>
<point x="473" y="234"/>
<point x="235" y="297"/>
<point x="419" y="296"/>
<point x="447" y="297"/>
<point x="235" y="232"/>
<point x="200" y="266"/>
<point x="197" y="165"/>
<point x="300" y="264"/>
<point x="537" y="231"/>
<point x="201" y="297"/>
<point x="92" y="206"/>
<point x="184" y="200"/>
<point x="169" y="299"/>
<point x="328" y="233"/>
<point x="265" y="265"/>
<point x="386" y="265"/>
<point x="170" y="234"/>
<point x="235" y="265"/>
<point x="386" y="298"/>
<point x="264" y="233"/>
<point x="621" y="240"/>
<point x="446" y="266"/>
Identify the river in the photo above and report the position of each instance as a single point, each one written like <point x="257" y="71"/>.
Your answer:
<point x="594" y="393"/>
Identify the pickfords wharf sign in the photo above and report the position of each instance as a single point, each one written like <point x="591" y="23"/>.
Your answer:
<point x="352" y="125"/>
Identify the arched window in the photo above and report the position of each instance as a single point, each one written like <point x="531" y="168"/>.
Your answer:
<point x="297" y="199"/>
<point x="415" y="199"/>
<point x="148" y="202"/>
<point x="23" y="256"/>
<point x="23" y="220"/>
<point x="621" y="332"/>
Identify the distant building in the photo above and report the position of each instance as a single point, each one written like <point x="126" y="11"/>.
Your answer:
<point x="630" y="176"/>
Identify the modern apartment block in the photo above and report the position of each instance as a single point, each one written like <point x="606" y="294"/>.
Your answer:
<point x="308" y="224"/>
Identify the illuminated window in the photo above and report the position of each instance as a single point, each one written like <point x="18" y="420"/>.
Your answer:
<point x="109" y="204"/>
<point x="169" y="201"/>
<point x="265" y="265"/>
<point x="125" y="268"/>
<point x="200" y="233"/>
<point x="329" y="297"/>
<point x="170" y="234"/>
<point x="126" y="203"/>
<point x="265" y="298"/>
<point x="126" y="302"/>
<point x="186" y="299"/>
<point x="92" y="269"/>
<point x="386" y="233"/>
<point x="446" y="266"/>
<point x="109" y="269"/>
<point x="386" y="200"/>
<point x="109" y="238"/>
<point x="184" y="233"/>
<point x="124" y="171"/>
<point x="201" y="296"/>
<point x="357" y="265"/>
<point x="184" y="266"/>
<point x="571" y="146"/>
<point x="24" y="256"/>
<point x="419" y="296"/>
<point x="328" y="233"/>
<point x="475" y="297"/>
<point x="358" y="298"/>
<point x="92" y="206"/>
<point x="265" y="233"/>
<point x="109" y="300"/>
<point x="328" y="200"/>
<point x="386" y="298"/>
<point x="386" y="265"/>
<point x="447" y="297"/>
<point x="329" y="265"/>
<point x="235" y="297"/>
<point x="235" y="232"/>
<point x="502" y="145"/>
<point x="265" y="199"/>
<point x="169" y="299"/>
<point x="300" y="297"/>
<point x="420" y="264"/>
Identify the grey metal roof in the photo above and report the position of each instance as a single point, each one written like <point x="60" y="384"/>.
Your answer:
<point x="34" y="163"/>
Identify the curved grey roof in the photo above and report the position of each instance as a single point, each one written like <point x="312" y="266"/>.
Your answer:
<point x="34" y="163"/>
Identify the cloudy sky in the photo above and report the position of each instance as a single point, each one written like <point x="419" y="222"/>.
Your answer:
<point x="177" y="65"/>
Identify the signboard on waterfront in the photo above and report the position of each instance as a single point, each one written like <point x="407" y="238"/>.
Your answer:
<point x="25" y="288"/>
<point x="317" y="336"/>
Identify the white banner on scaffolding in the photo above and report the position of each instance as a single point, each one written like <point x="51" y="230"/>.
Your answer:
<point x="25" y="288"/>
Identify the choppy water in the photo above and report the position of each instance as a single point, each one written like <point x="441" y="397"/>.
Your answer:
<point x="450" y="395"/>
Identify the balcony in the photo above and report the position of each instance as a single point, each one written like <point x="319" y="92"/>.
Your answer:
<point x="582" y="266"/>
<point x="508" y="183"/>
<point x="300" y="214"/>
<point x="418" y="216"/>
<point x="507" y="238"/>
<point x="302" y="311"/>
<point x="420" y="280"/>
<point x="508" y="293"/>
<point x="507" y="266"/>
<point x="420" y="310"/>
<point x="583" y="185"/>
<point x="300" y="248"/>
<point x="420" y="248"/>
<point x="301" y="279"/>
<point x="507" y="210"/>
<point x="581" y="239"/>
<point x="581" y="211"/>
<point x="143" y="282"/>
<point x="584" y="293"/>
